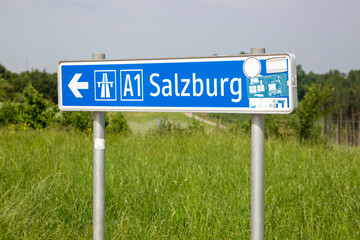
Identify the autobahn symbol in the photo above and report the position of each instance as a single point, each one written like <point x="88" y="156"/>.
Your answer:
<point x="105" y="92"/>
<point x="105" y="85"/>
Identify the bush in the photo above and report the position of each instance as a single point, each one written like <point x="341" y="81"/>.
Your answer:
<point x="118" y="125"/>
<point x="35" y="112"/>
<point x="8" y="114"/>
<point x="79" y="120"/>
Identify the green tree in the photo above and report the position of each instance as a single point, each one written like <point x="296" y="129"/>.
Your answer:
<point x="35" y="111"/>
<point x="7" y="90"/>
<point x="316" y="103"/>
<point x="304" y="81"/>
<point x="45" y="83"/>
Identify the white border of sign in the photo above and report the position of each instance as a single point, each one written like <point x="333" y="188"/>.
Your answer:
<point x="292" y="89"/>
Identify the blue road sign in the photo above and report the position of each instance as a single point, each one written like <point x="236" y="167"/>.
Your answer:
<point x="238" y="84"/>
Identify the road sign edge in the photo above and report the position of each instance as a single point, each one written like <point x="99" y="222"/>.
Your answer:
<point x="292" y="93"/>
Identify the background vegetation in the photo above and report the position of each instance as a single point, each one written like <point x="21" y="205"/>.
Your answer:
<point x="329" y="108"/>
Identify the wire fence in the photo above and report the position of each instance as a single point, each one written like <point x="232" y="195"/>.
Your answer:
<point x="342" y="132"/>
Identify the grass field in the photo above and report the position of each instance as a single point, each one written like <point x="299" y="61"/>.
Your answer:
<point x="174" y="187"/>
<point x="142" y="122"/>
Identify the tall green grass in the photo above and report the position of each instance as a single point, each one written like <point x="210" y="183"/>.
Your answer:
<point x="177" y="186"/>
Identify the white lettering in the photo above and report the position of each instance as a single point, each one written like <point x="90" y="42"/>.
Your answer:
<point x="180" y="86"/>
<point x="128" y="87"/>
<point x="214" y="93"/>
<point x="238" y="92"/>
<point x="176" y="85"/>
<point x="223" y="80"/>
<point x="137" y="78"/>
<point x="183" y="92"/>
<point x="169" y="92"/>
<point x="197" y="80"/>
<point x="155" y="85"/>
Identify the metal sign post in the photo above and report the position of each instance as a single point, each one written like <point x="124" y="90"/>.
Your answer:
<point x="99" y="171"/>
<point x="257" y="170"/>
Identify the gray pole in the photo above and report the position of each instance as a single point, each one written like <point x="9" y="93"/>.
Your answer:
<point x="159" y="124"/>
<point x="99" y="171"/>
<point x="257" y="170"/>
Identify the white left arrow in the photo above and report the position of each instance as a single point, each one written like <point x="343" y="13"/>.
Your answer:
<point x="74" y="85"/>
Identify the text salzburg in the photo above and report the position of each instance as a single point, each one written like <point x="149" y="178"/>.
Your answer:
<point x="194" y="86"/>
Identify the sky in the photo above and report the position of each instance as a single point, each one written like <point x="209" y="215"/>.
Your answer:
<point x="324" y="35"/>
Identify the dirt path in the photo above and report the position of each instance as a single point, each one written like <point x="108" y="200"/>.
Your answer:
<point x="204" y="120"/>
